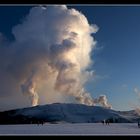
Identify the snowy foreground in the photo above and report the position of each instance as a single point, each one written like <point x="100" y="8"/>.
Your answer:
<point x="71" y="129"/>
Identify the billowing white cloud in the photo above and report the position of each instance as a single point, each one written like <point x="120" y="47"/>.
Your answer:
<point x="50" y="56"/>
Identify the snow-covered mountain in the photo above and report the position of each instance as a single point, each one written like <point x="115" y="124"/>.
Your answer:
<point x="72" y="113"/>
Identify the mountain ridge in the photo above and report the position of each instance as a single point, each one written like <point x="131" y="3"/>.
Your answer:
<point x="66" y="112"/>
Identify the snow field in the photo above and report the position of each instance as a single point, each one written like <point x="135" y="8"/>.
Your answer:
<point x="71" y="129"/>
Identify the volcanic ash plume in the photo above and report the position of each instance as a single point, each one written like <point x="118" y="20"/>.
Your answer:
<point x="137" y="110"/>
<point x="56" y="43"/>
<point x="29" y="88"/>
<point x="103" y="101"/>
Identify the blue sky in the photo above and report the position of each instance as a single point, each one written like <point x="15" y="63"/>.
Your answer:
<point x="116" y="59"/>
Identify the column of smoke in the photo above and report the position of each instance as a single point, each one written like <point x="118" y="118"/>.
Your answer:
<point x="57" y="42"/>
<point x="85" y="98"/>
<point x="137" y="109"/>
<point x="29" y="88"/>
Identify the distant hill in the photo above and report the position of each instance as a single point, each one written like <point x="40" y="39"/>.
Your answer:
<point x="62" y="112"/>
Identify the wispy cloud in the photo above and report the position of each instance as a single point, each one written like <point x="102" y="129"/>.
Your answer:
<point x="124" y="86"/>
<point x="99" y="48"/>
<point x="101" y="77"/>
<point x="137" y="91"/>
